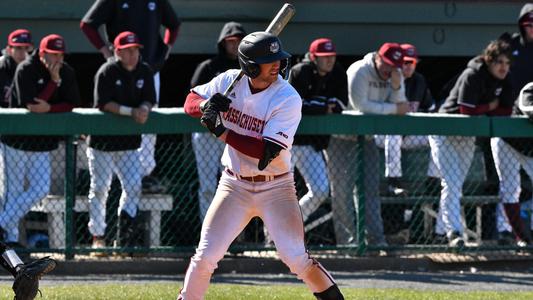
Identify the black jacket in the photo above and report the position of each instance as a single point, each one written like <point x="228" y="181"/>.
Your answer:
<point x="315" y="91"/>
<point x="113" y="83"/>
<point x="143" y="17"/>
<point x="7" y="72"/>
<point x="416" y="90"/>
<point x="31" y="78"/>
<point x="210" y="68"/>
<point x="476" y="86"/>
<point x="520" y="73"/>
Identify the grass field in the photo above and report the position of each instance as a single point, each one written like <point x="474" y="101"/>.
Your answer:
<point x="245" y="292"/>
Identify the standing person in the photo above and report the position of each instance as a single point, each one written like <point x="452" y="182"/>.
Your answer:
<point x="259" y="121"/>
<point x="43" y="83"/>
<point x="322" y="84"/>
<point x="207" y="148"/>
<point x="482" y="89"/>
<point x="123" y="86"/>
<point x="144" y="18"/>
<point x="420" y="99"/>
<point x="19" y="44"/>
<point x="375" y="86"/>
<point x="511" y="154"/>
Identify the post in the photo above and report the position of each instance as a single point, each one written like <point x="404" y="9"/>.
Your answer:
<point x="360" y="184"/>
<point x="70" y="194"/>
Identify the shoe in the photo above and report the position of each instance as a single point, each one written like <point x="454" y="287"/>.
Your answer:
<point x="152" y="185"/>
<point x="129" y="230"/>
<point x="506" y="238"/>
<point x="98" y="243"/>
<point x="455" y="239"/>
<point x="395" y="187"/>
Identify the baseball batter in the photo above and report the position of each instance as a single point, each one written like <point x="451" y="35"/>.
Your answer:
<point x="259" y="120"/>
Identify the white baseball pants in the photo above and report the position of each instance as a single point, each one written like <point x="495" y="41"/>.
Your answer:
<point x="147" y="149"/>
<point x="453" y="156"/>
<point x="236" y="202"/>
<point x="102" y="165"/>
<point x="22" y="167"/>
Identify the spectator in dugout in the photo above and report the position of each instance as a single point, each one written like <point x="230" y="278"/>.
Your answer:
<point x="123" y="86"/>
<point x="144" y="18"/>
<point x="43" y="83"/>
<point x="321" y="82"/>
<point x="420" y="100"/>
<point x="19" y="44"/>
<point x="483" y="88"/>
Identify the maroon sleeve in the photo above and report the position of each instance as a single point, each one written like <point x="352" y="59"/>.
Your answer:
<point x="171" y="35"/>
<point x="48" y="91"/>
<point x="246" y="144"/>
<point x="474" y="111"/>
<point x="192" y="105"/>
<point x="93" y="35"/>
<point x="61" y="107"/>
<point x="501" y="111"/>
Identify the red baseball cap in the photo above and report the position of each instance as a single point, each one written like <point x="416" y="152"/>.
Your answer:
<point x="53" y="43"/>
<point x="19" y="37"/>
<point x="409" y="52"/>
<point x="322" y="47"/>
<point x="392" y="54"/>
<point x="126" y="39"/>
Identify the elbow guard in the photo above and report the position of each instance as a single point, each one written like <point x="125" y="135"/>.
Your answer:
<point x="270" y="152"/>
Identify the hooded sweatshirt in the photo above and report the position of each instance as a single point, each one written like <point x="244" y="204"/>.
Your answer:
<point x="522" y="64"/>
<point x="475" y="88"/>
<point x="368" y="93"/>
<point x="210" y="68"/>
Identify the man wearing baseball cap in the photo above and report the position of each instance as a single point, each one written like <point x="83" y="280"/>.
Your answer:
<point x="123" y="86"/>
<point x="375" y="86"/>
<point x="19" y="44"/>
<point x="43" y="83"/>
<point x="322" y="84"/>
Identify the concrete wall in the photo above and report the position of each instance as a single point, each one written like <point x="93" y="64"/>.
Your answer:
<point x="438" y="28"/>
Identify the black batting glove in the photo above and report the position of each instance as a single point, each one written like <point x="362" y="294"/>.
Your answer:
<point x="217" y="102"/>
<point x="212" y="121"/>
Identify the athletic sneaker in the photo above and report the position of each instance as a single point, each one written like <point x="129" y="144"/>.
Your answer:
<point x="455" y="239"/>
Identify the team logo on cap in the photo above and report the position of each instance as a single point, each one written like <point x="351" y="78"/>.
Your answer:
<point x="274" y="47"/>
<point x="130" y="38"/>
<point x="396" y="55"/>
<point x="59" y="44"/>
<point x="328" y="46"/>
<point x="140" y="83"/>
<point x="151" y="6"/>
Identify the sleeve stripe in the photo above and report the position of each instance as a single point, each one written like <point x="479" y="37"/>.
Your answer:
<point x="275" y="141"/>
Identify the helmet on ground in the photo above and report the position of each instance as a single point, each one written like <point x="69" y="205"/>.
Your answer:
<point x="260" y="48"/>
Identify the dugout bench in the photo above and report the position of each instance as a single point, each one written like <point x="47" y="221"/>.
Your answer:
<point x="55" y="205"/>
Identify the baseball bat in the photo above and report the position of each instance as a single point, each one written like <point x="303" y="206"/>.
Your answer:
<point x="275" y="27"/>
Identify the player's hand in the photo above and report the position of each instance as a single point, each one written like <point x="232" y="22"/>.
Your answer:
<point x="53" y="69"/>
<point x="40" y="106"/>
<point x="396" y="78"/>
<point x="402" y="108"/>
<point x="218" y="102"/>
<point x="212" y="121"/>
<point x="140" y="114"/>
<point x="494" y="104"/>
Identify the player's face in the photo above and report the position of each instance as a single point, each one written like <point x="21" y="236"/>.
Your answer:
<point x="384" y="69"/>
<point x="499" y="68"/>
<point x="18" y="53"/>
<point x="325" y="64"/>
<point x="408" y="68"/>
<point x="128" y="57"/>
<point x="231" y="45"/>
<point x="52" y="58"/>
<point x="269" y="74"/>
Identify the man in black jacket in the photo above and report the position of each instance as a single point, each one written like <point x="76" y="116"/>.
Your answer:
<point x="19" y="44"/>
<point x="207" y="148"/>
<point x="123" y="86"/>
<point x="322" y="84"/>
<point x="44" y="83"/>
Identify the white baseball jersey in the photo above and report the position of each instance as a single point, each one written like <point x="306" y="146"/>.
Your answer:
<point x="272" y="114"/>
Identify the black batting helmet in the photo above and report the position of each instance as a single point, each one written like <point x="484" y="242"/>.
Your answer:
<point x="260" y="48"/>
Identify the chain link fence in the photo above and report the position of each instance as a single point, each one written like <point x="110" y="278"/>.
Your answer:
<point x="358" y="193"/>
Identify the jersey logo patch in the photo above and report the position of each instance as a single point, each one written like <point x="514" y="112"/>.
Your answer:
<point x="140" y="83"/>
<point x="118" y="82"/>
<point x="282" y="134"/>
<point x="233" y="95"/>
<point x="125" y="5"/>
<point x="40" y="81"/>
<point x="498" y="91"/>
<point x="151" y="6"/>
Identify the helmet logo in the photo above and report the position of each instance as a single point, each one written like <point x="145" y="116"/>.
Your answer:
<point x="274" y="47"/>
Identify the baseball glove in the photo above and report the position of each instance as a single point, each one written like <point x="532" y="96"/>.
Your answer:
<point x="26" y="283"/>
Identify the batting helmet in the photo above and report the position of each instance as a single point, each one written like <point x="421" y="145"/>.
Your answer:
<point x="260" y="48"/>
